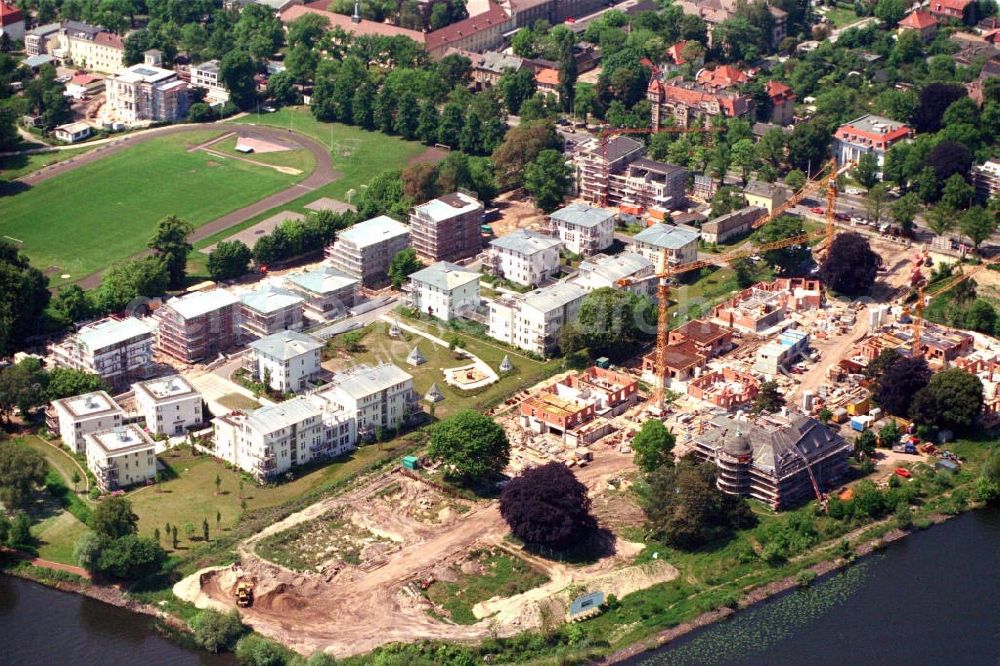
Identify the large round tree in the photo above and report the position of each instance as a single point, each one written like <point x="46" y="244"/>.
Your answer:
<point x="900" y="382"/>
<point x="850" y="265"/>
<point x="472" y="444"/>
<point x="952" y="399"/>
<point x="547" y="506"/>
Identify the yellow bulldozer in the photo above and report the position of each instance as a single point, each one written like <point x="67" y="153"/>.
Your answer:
<point x="244" y="594"/>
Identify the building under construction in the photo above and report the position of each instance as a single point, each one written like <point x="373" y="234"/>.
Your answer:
<point x="781" y="460"/>
<point x="614" y="171"/>
<point x="199" y="325"/>
<point x="447" y="228"/>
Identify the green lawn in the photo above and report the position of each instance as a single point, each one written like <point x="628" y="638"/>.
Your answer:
<point x="301" y="159"/>
<point x="57" y="459"/>
<point x="189" y="496"/>
<point x="20" y="165"/>
<point x="81" y="221"/>
<point x="57" y="535"/>
<point x="238" y="401"/>
<point x="380" y="348"/>
<point x="841" y="17"/>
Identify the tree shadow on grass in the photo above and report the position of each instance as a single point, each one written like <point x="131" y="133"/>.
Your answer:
<point x="599" y="543"/>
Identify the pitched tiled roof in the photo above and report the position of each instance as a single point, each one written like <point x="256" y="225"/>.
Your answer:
<point x="675" y="53"/>
<point x="439" y="39"/>
<point x="724" y="76"/>
<point x="778" y="91"/>
<point x="679" y="91"/>
<point x="918" y="20"/>
<point x="109" y="39"/>
<point x="365" y="27"/>
<point x="9" y="14"/>
<point x="547" y="76"/>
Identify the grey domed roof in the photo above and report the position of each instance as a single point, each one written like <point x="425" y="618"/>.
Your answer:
<point x="738" y="445"/>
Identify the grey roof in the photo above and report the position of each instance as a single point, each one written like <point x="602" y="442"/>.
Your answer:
<point x="761" y="189"/>
<point x="376" y="230"/>
<point x="270" y="299"/>
<point x="208" y="66"/>
<point x="583" y="215"/>
<point x="615" y="267"/>
<point x="82" y="28"/>
<point x="37" y="60"/>
<point x="773" y="440"/>
<point x="554" y="296"/>
<point x="282" y="415"/>
<point x="616" y="147"/>
<point x="434" y="394"/>
<point x="44" y="30"/>
<point x="525" y="242"/>
<point x="323" y="280"/>
<point x="286" y="345"/>
<point x="495" y="61"/>
<point x="365" y="380"/>
<point x="653" y="166"/>
<point x="416" y="357"/>
<point x="109" y="332"/>
<point x="733" y="219"/>
<point x="665" y="236"/>
<point x="445" y="276"/>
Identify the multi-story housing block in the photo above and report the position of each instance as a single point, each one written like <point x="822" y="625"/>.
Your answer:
<point x="986" y="178"/>
<point x="198" y="325"/>
<point x="329" y="293"/>
<point x="40" y="40"/>
<point x="628" y="270"/>
<point x="84" y="414"/>
<point x="378" y="398"/>
<point x="112" y="348"/>
<point x="170" y="405"/>
<point x="145" y="93"/>
<point x="524" y="257"/>
<point x="286" y="361"/>
<point x="205" y="75"/>
<point x="270" y="310"/>
<point x="647" y="185"/>
<point x="679" y="243"/>
<point x="691" y="104"/>
<point x="443" y="290"/>
<point x="597" y="159"/>
<point x="86" y="46"/>
<point x="868" y="135"/>
<point x="447" y="228"/>
<point x="533" y="321"/>
<point x="584" y="229"/>
<point x="122" y="457"/>
<point x="365" y="250"/>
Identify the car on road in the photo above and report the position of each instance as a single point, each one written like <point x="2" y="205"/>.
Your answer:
<point x="859" y="220"/>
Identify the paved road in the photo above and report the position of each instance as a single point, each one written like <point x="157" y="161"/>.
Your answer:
<point x="321" y="175"/>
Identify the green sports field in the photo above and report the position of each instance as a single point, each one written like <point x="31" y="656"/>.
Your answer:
<point x="82" y="221"/>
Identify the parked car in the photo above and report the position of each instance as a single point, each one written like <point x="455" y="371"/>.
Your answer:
<point x="843" y="217"/>
<point x="817" y="210"/>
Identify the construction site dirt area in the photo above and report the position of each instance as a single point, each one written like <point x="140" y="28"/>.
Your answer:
<point x="398" y="559"/>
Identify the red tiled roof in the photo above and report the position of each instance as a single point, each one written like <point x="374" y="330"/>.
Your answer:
<point x="547" y="76"/>
<point x="85" y="79"/>
<point x="675" y="53"/>
<point x="109" y="39"/>
<point x="953" y="5"/>
<point x="695" y="97"/>
<point x="723" y="76"/>
<point x="439" y="39"/>
<point x="850" y="133"/>
<point x="778" y="91"/>
<point x="919" y="20"/>
<point x="9" y="14"/>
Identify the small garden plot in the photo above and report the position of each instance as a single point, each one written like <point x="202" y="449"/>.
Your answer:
<point x="329" y="538"/>
<point x="485" y="573"/>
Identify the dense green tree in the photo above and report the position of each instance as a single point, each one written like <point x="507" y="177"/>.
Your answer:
<point x="427" y="123"/>
<point x="956" y="193"/>
<point x="408" y="117"/>
<point x="229" y="260"/>
<point x="952" y="399"/>
<point x="130" y="280"/>
<point x="384" y="110"/>
<point x="520" y="147"/>
<point x="941" y="218"/>
<point x="890" y="11"/>
<point x="875" y="202"/>
<point x="613" y="321"/>
<point x="808" y="146"/>
<point x="866" y="171"/>
<point x="546" y="178"/>
<point x="726" y="200"/>
<point x="516" y="87"/>
<point x="255" y="650"/>
<point x="131" y="557"/>
<point x="21" y="471"/>
<point x="113" y="518"/>
<point x="199" y="112"/>
<point x="865" y="444"/>
<point x="215" y="631"/>
<point x="653" y="446"/>
<point x="547" y="506"/>
<point x="24" y="296"/>
<point x="978" y="225"/>
<point x="471" y="136"/>
<point x="170" y="243"/>
<point x="236" y="71"/>
<point x="450" y="127"/>
<point x="768" y="398"/>
<point x="685" y="509"/>
<point x="568" y="75"/>
<point x="363" y="106"/>
<point x="19" y="535"/>
<point x="788" y="258"/>
<point x="281" y="87"/>
<point x="402" y="265"/>
<point x="472" y="445"/>
<point x="64" y="383"/>
<point x="935" y="98"/>
<point x="22" y="386"/>
<point x="850" y="265"/>
<point x="904" y="211"/>
<point x="307" y="29"/>
<point x="899" y="383"/>
<point x="795" y="180"/>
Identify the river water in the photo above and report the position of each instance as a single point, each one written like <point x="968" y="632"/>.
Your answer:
<point x="931" y="598"/>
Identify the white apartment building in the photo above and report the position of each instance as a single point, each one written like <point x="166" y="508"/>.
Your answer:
<point x="365" y="250"/>
<point x="329" y="293"/>
<point x="270" y="441"/>
<point x="288" y="360"/>
<point x="206" y="75"/>
<point x="628" y="270"/>
<point x="524" y="257"/>
<point x="84" y="414"/>
<point x="86" y="46"/>
<point x="145" y="93"/>
<point x="680" y="243"/>
<point x="110" y="348"/>
<point x="377" y="397"/>
<point x="584" y="229"/>
<point x="121" y="457"/>
<point x="443" y="290"/>
<point x="868" y="135"/>
<point x="170" y="405"/>
<point x="533" y="321"/>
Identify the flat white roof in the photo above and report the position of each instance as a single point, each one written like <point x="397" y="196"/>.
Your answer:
<point x="376" y="230"/>
<point x="165" y="388"/>
<point x="270" y="299"/>
<point x="110" y="332"/>
<point x="527" y="242"/>
<point x="282" y="415"/>
<point x="198" y="303"/>
<point x="90" y="404"/>
<point x="123" y="439"/>
<point x="144" y="73"/>
<point x="324" y="280"/>
<point x="73" y="128"/>
<point x="448" y="206"/>
<point x="365" y="380"/>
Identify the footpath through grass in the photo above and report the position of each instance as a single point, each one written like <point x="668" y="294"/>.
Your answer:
<point x="85" y="219"/>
